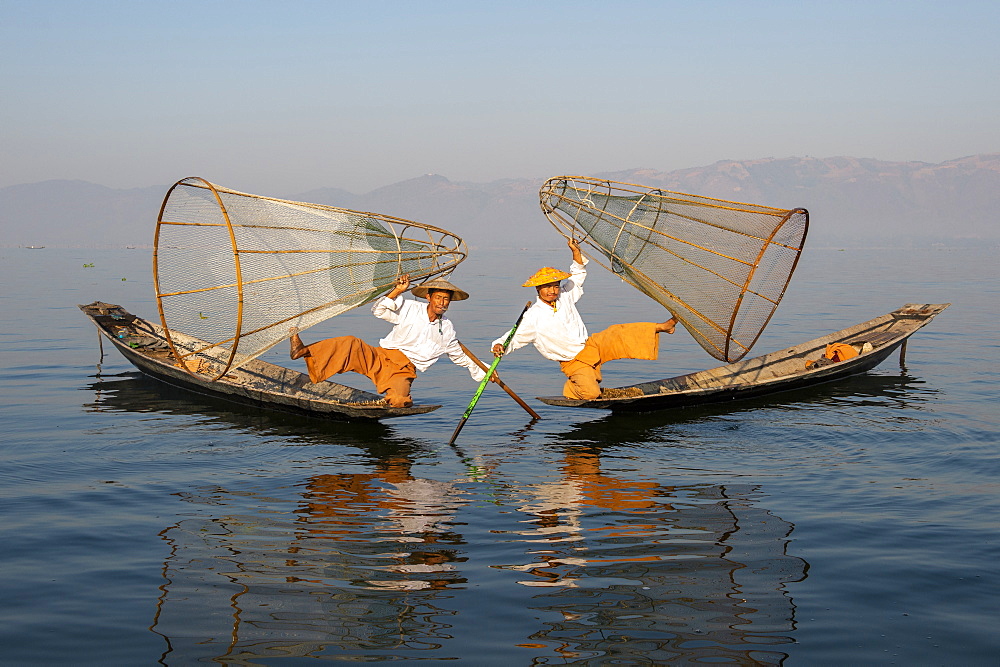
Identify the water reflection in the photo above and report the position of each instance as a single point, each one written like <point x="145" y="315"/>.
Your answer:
<point x="903" y="397"/>
<point x="354" y="562"/>
<point x="574" y="557"/>
<point x="632" y="570"/>
<point x="374" y="564"/>
<point x="140" y="394"/>
<point x="371" y="516"/>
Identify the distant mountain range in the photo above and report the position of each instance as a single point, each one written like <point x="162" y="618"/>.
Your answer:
<point x="852" y="201"/>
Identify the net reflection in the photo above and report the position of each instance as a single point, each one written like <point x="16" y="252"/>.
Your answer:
<point x="631" y="570"/>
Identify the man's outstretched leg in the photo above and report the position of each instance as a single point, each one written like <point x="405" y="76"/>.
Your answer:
<point x="336" y="355"/>
<point x="638" y="340"/>
<point x="390" y="370"/>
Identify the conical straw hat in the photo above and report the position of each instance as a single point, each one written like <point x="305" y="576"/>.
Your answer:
<point x="440" y="284"/>
<point x="544" y="276"/>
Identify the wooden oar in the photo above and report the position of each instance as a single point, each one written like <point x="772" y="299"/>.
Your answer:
<point x="486" y="379"/>
<point x="527" y="408"/>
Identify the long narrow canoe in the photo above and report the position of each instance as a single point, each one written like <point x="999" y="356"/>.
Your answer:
<point x="257" y="383"/>
<point x="778" y="371"/>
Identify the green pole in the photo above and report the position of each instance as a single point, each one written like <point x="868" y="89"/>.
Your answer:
<point x="486" y="379"/>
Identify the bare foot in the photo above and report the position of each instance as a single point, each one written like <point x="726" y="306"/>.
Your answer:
<point x="666" y="327"/>
<point x="399" y="401"/>
<point x="298" y="349"/>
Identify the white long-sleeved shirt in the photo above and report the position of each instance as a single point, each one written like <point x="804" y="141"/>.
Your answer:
<point x="558" y="333"/>
<point x="422" y="341"/>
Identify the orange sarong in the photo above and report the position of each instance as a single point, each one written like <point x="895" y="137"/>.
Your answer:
<point x="390" y="370"/>
<point x="637" y="340"/>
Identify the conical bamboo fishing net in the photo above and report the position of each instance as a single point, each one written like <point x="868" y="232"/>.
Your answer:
<point x="719" y="267"/>
<point x="237" y="270"/>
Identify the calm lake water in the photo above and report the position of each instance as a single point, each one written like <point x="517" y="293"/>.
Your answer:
<point x="854" y="523"/>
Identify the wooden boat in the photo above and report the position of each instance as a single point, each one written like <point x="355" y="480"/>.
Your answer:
<point x="778" y="371"/>
<point x="257" y="383"/>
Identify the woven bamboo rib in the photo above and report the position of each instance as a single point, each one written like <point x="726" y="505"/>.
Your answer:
<point x="720" y="267"/>
<point x="236" y="270"/>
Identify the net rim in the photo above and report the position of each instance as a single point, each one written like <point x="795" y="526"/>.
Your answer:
<point x="156" y="276"/>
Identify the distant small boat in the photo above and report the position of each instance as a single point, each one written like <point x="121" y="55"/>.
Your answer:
<point x="256" y="383"/>
<point x="34" y="247"/>
<point x="778" y="371"/>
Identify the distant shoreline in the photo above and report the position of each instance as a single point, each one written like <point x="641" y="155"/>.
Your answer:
<point x="874" y="244"/>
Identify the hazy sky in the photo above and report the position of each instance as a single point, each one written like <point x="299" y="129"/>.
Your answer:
<point x="281" y="97"/>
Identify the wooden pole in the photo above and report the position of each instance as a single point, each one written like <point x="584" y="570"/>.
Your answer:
<point x="527" y="408"/>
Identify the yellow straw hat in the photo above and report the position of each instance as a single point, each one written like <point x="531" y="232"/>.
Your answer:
<point x="439" y="284"/>
<point x="544" y="276"/>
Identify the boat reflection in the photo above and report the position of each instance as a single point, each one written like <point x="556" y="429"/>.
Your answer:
<point x="134" y="392"/>
<point x="900" y="395"/>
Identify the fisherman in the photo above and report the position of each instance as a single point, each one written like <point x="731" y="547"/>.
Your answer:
<point x="421" y="335"/>
<point x="556" y="329"/>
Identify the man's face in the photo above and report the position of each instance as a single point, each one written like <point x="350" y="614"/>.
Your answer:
<point x="437" y="302"/>
<point x="548" y="292"/>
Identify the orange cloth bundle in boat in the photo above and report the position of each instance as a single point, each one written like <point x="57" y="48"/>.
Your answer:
<point x="840" y="352"/>
<point x="834" y="352"/>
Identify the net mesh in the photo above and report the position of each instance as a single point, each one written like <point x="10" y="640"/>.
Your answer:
<point x="719" y="267"/>
<point x="237" y="270"/>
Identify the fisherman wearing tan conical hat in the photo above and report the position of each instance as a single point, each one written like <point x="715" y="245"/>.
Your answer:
<point x="421" y="335"/>
<point x="557" y="331"/>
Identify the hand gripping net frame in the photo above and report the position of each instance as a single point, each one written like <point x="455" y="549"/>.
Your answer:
<point x="235" y="271"/>
<point x="719" y="267"/>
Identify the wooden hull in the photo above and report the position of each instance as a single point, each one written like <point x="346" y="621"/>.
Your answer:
<point x="258" y="384"/>
<point x="779" y="371"/>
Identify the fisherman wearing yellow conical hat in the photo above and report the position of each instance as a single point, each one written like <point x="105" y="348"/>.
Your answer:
<point x="557" y="331"/>
<point x="421" y="335"/>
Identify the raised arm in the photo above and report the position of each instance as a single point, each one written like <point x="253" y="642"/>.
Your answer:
<point x="387" y="308"/>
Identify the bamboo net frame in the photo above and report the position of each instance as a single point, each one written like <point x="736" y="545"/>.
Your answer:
<point x="720" y="267"/>
<point x="237" y="270"/>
